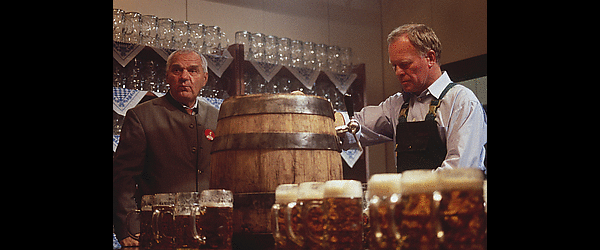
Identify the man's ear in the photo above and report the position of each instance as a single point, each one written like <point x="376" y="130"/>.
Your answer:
<point x="430" y="58"/>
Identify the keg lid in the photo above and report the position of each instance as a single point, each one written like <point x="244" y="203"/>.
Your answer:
<point x="275" y="104"/>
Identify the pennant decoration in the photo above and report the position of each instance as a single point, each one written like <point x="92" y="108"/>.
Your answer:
<point x="116" y="142"/>
<point x="162" y="52"/>
<point x="124" y="99"/>
<point x="125" y="52"/>
<point x="305" y="75"/>
<point x="218" y="64"/>
<point x="215" y="102"/>
<point x="341" y="81"/>
<point x="351" y="156"/>
<point x="266" y="70"/>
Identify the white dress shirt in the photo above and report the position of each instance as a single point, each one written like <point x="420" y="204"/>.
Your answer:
<point x="461" y="120"/>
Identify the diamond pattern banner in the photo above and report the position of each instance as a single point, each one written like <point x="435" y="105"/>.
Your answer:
<point x="218" y="64"/>
<point x="125" y="52"/>
<point x="341" y="81"/>
<point x="305" y="75"/>
<point x="124" y="99"/>
<point x="266" y="70"/>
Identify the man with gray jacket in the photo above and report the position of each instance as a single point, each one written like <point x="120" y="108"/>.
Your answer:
<point x="165" y="143"/>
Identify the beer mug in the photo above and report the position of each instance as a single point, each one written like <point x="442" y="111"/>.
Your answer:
<point x="380" y="188"/>
<point x="342" y="203"/>
<point x="415" y="210"/>
<point x="145" y="218"/>
<point x="163" y="228"/>
<point x="309" y="214"/>
<point x="216" y="221"/>
<point x="187" y="213"/>
<point x="284" y="194"/>
<point x="461" y="211"/>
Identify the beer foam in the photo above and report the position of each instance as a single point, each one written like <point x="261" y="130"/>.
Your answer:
<point x="217" y="204"/>
<point x="419" y="181"/>
<point x="286" y="193"/>
<point x="461" y="178"/>
<point x="384" y="185"/>
<point x="310" y="190"/>
<point x="342" y="189"/>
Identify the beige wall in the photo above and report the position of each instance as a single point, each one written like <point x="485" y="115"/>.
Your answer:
<point x="362" y="25"/>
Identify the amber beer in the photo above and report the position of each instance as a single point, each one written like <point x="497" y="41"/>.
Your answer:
<point x="187" y="211"/>
<point x="381" y="188"/>
<point x="415" y="213"/>
<point x="461" y="211"/>
<point x="342" y="204"/>
<point x="306" y="227"/>
<point x="217" y="218"/>
<point x="145" y="237"/>
<point x="284" y="195"/>
<point x="163" y="228"/>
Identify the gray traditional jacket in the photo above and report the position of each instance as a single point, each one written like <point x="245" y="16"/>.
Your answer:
<point x="162" y="149"/>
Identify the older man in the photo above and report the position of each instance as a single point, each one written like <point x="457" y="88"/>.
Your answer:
<point x="434" y="122"/>
<point x="164" y="145"/>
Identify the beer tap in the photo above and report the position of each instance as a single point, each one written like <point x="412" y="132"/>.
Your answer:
<point x="352" y="125"/>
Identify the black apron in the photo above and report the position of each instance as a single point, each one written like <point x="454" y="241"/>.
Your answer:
<point x="418" y="144"/>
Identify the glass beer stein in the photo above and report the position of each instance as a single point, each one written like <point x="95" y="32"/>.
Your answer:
<point x="308" y="212"/>
<point x="342" y="203"/>
<point x="216" y="218"/>
<point x="415" y="211"/>
<point x="461" y="211"/>
<point x="187" y="213"/>
<point x="145" y="218"/>
<point x="381" y="187"/>
<point x="162" y="225"/>
<point x="284" y="194"/>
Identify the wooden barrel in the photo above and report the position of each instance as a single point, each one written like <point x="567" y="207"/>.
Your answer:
<point x="264" y="140"/>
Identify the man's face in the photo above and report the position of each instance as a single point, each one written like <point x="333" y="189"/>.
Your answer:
<point x="186" y="77"/>
<point x="410" y="67"/>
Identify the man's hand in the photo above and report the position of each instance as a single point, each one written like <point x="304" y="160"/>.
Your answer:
<point x="339" y="119"/>
<point x="130" y="242"/>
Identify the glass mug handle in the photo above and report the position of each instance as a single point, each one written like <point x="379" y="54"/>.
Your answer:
<point x="128" y="224"/>
<point x="194" y="213"/>
<point x="155" y="221"/>
<point x="309" y="233"/>
<point x="394" y="200"/>
<point x="299" y="240"/>
<point x="275" y="210"/>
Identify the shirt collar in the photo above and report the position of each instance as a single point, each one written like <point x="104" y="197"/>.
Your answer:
<point x="194" y="107"/>
<point x="438" y="86"/>
<point x="177" y="104"/>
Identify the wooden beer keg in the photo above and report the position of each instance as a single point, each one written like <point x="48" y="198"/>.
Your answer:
<point x="264" y="140"/>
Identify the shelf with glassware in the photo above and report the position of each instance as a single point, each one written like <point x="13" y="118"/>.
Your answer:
<point x="145" y="72"/>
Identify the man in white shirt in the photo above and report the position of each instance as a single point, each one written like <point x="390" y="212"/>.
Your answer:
<point x="434" y="122"/>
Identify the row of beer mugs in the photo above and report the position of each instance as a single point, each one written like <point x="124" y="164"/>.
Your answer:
<point x="294" y="53"/>
<point x="150" y="30"/>
<point x="318" y="215"/>
<point x="423" y="209"/>
<point x="190" y="220"/>
<point x="417" y="209"/>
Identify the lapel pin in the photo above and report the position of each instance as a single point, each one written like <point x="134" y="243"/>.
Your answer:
<point x="210" y="135"/>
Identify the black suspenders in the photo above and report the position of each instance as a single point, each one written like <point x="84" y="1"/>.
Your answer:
<point x="433" y="106"/>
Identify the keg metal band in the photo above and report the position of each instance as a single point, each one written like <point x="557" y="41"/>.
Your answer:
<point x="275" y="104"/>
<point x="276" y="141"/>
